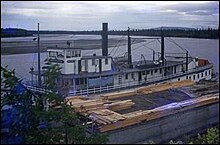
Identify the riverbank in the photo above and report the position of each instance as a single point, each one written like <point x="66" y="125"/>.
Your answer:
<point x="24" y="47"/>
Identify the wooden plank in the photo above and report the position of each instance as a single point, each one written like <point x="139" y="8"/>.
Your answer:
<point x="124" y="107"/>
<point x="76" y="97"/>
<point x="119" y="95"/>
<point x="121" y="105"/>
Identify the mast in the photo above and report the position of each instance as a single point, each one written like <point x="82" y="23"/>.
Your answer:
<point x="129" y="49"/>
<point x="187" y="55"/>
<point x="162" y="47"/>
<point x="38" y="51"/>
<point x="153" y="55"/>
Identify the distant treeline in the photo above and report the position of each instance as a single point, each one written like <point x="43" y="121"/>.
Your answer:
<point x="15" y="32"/>
<point x="189" y="33"/>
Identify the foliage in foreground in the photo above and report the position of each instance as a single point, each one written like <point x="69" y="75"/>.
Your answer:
<point x="210" y="137"/>
<point x="37" y="123"/>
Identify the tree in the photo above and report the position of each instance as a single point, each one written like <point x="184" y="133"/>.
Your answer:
<point x="35" y="122"/>
<point x="211" y="137"/>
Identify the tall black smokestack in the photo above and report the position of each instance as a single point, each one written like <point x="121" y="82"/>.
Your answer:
<point x="104" y="39"/>
<point x="129" y="49"/>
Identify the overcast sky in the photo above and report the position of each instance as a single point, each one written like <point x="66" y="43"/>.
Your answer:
<point x="82" y="15"/>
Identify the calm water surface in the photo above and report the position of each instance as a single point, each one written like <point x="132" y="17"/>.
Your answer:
<point x="203" y="48"/>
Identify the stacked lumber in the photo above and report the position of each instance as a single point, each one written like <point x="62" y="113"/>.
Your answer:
<point x="121" y="105"/>
<point x="105" y="116"/>
<point x="182" y="83"/>
<point x="76" y="97"/>
<point x="84" y="105"/>
<point x="164" y="86"/>
<point x="119" y="94"/>
<point x="139" y="116"/>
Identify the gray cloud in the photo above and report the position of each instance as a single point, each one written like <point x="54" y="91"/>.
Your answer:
<point x="195" y="9"/>
<point x="81" y="15"/>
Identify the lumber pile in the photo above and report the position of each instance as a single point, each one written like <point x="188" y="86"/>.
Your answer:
<point x="119" y="94"/>
<point x="139" y="116"/>
<point x="120" y="105"/>
<point x="84" y="105"/>
<point x="105" y="116"/>
<point x="182" y="83"/>
<point x="164" y="86"/>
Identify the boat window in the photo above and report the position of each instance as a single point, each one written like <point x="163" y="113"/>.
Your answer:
<point x="77" y="81"/>
<point x="155" y="70"/>
<point x="93" y="61"/>
<point x="151" y="72"/>
<point x="147" y="72"/>
<point x="175" y="69"/>
<point x="73" y="53"/>
<point x="106" y="61"/>
<point x="126" y="76"/>
<point x="86" y="65"/>
<point x="70" y="61"/>
<point x="187" y="77"/>
<point x="60" y="55"/>
<point x="68" y="54"/>
<point x="194" y="77"/>
<point x="81" y="80"/>
<point x="178" y="79"/>
<point x="56" y="60"/>
<point x="190" y="77"/>
<point x="52" y="54"/>
<point x="197" y="75"/>
<point x="209" y="72"/>
<point x="77" y="53"/>
<point x="206" y="73"/>
<point x="202" y="75"/>
<point x="160" y="70"/>
<point x="132" y="75"/>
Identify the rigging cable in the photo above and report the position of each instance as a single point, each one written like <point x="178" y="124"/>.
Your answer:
<point x="171" y="40"/>
<point x="116" y="44"/>
<point x="125" y="52"/>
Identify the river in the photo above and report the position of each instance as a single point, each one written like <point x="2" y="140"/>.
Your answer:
<point x="203" y="48"/>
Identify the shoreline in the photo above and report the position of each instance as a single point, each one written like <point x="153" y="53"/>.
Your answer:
<point x="10" y="48"/>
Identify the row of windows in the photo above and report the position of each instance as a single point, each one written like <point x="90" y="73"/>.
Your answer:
<point x="73" y="53"/>
<point x="151" y="72"/>
<point x="93" y="61"/>
<point x="198" y="75"/>
<point x="81" y="81"/>
<point x="144" y="73"/>
<point x="132" y="76"/>
<point x="69" y="54"/>
<point x="85" y="61"/>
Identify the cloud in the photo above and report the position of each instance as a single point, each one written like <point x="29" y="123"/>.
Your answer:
<point x="82" y="15"/>
<point x="209" y="8"/>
